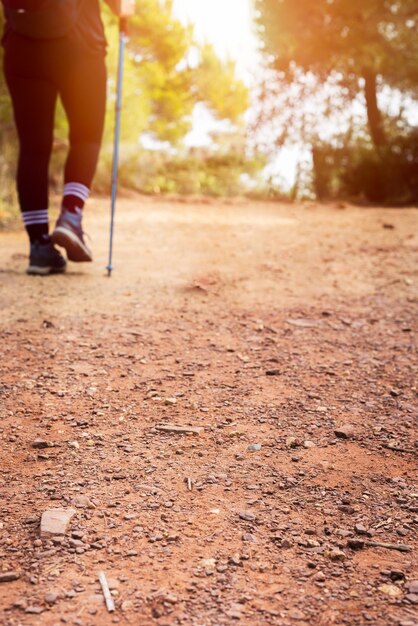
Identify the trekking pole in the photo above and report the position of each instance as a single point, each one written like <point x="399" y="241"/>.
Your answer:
<point x="123" y="23"/>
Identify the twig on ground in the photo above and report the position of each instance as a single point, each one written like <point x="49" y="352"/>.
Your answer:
<point x="110" y="605"/>
<point x="358" y="544"/>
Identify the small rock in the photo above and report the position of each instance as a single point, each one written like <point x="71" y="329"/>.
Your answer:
<point x="7" y="577"/>
<point x="273" y="372"/>
<point x="336" y="555"/>
<point x="360" y="529"/>
<point x="170" y="401"/>
<point x="346" y="431"/>
<point x="346" y="508"/>
<point x="296" y="615"/>
<point x="292" y="442"/>
<point x="254" y="447"/>
<point x="82" y="502"/>
<point x="39" y="444"/>
<point x="412" y="598"/>
<point x="235" y="559"/>
<point x="55" y="522"/>
<point x="209" y="565"/>
<point x="248" y="537"/>
<point x="51" y="597"/>
<point x="390" y="590"/>
<point x="309" y="444"/>
<point x="34" y="610"/>
<point x="248" y="516"/>
<point x="412" y="586"/>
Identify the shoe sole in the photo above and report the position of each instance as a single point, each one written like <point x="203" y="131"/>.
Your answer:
<point x="76" y="250"/>
<point x="37" y="270"/>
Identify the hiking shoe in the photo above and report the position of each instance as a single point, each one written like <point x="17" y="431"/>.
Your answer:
<point x="44" y="259"/>
<point x="69" y="235"/>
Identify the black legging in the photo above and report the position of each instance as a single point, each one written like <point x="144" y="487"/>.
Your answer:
<point x="37" y="71"/>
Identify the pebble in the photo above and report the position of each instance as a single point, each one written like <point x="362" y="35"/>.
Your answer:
<point x="309" y="444"/>
<point x="34" y="610"/>
<point x="345" y="508"/>
<point x="336" y="555"/>
<point x="248" y="516"/>
<point x="235" y="559"/>
<point x="412" y="598"/>
<point x="7" y="577"/>
<point x="55" y="522"/>
<point x="82" y="502"/>
<point x="346" y="431"/>
<point x="248" y="537"/>
<point x="292" y="442"/>
<point x="40" y="444"/>
<point x="51" y="597"/>
<point x="412" y="586"/>
<point x="360" y="529"/>
<point x="254" y="447"/>
<point x="390" y="590"/>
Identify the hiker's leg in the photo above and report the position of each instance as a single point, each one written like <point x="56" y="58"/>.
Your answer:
<point x="33" y="101"/>
<point x="83" y="93"/>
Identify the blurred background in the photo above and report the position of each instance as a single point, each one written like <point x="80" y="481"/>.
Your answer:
<point x="270" y="99"/>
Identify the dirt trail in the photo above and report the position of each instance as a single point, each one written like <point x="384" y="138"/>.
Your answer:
<point x="267" y="326"/>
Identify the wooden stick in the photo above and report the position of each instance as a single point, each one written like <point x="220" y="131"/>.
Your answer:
<point x="389" y="546"/>
<point x="181" y="430"/>
<point x="358" y="544"/>
<point x="110" y="605"/>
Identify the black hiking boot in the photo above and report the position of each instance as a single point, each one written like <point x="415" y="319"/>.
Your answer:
<point x="44" y="259"/>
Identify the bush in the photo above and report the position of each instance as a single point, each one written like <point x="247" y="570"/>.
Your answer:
<point x="197" y="172"/>
<point x="360" y="173"/>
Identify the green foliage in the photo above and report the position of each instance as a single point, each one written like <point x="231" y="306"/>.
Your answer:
<point x="344" y="36"/>
<point x="217" y="85"/>
<point x="358" y="173"/>
<point x="325" y="54"/>
<point x="194" y="172"/>
<point x="166" y="74"/>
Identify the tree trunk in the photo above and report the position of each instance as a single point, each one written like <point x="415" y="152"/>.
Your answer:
<point x="374" y="115"/>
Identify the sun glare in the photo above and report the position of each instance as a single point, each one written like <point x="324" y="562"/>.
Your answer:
<point x="227" y="24"/>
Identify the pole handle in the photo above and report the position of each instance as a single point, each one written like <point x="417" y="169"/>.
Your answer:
<point x="123" y="25"/>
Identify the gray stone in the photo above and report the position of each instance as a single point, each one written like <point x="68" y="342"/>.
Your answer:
<point x="360" y="529"/>
<point x="412" y="586"/>
<point x="51" y="597"/>
<point x="247" y="516"/>
<point x="412" y="598"/>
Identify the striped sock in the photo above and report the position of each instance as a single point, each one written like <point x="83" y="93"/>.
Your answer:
<point x="75" y="195"/>
<point x="36" y="224"/>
